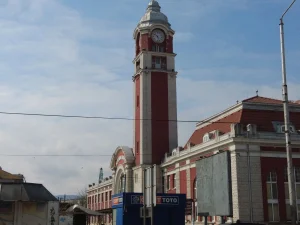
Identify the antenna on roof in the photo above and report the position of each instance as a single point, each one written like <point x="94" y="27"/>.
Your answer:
<point x="256" y="92"/>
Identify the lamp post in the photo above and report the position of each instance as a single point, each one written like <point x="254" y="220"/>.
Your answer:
<point x="290" y="169"/>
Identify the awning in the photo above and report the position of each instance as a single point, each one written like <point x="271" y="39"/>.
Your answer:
<point x="106" y="211"/>
<point x="29" y="192"/>
<point x="77" y="209"/>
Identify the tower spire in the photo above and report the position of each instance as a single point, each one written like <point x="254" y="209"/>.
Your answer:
<point x="153" y="6"/>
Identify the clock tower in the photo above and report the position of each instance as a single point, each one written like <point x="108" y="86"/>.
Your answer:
<point x="155" y="104"/>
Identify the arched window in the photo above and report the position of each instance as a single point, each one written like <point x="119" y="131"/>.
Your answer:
<point x="122" y="184"/>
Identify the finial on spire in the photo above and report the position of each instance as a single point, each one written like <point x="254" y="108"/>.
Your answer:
<point x="153" y="6"/>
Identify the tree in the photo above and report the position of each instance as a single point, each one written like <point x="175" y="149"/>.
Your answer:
<point x="82" y="197"/>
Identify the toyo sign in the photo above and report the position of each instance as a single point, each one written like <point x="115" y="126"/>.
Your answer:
<point x="167" y="200"/>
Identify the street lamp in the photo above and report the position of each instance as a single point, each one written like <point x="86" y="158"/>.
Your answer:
<point x="291" y="178"/>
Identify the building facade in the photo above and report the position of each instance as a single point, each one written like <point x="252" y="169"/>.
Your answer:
<point x="253" y="126"/>
<point x="6" y="177"/>
<point x="99" y="199"/>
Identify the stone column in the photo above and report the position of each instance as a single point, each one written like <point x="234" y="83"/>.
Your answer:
<point x="113" y="182"/>
<point x="129" y="178"/>
<point x="177" y="181"/>
<point x="188" y="184"/>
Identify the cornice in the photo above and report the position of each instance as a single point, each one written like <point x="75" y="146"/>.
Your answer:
<point x="152" y="53"/>
<point x="148" y="29"/>
<point x="220" y="115"/>
<point x="147" y="71"/>
<point x="269" y="107"/>
<point x="198" y="150"/>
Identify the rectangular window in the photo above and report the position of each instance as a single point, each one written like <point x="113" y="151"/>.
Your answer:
<point x="272" y="196"/>
<point x="168" y="182"/>
<point x="136" y="177"/>
<point x="157" y="62"/>
<point x="173" y="181"/>
<point x="138" y="65"/>
<point x="137" y="101"/>
<point x="137" y="147"/>
<point x="157" y="48"/>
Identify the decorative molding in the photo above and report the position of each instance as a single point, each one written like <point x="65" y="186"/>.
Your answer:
<point x="219" y="116"/>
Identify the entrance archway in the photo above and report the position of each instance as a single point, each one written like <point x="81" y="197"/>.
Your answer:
<point x="120" y="181"/>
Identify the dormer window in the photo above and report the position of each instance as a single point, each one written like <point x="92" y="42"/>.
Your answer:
<point x="174" y="152"/>
<point x="281" y="129"/>
<point x="206" y="137"/>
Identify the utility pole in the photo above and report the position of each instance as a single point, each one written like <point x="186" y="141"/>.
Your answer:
<point x="144" y="196"/>
<point x="290" y="168"/>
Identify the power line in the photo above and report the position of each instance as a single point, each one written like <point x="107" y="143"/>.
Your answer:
<point x="54" y="155"/>
<point x="107" y="118"/>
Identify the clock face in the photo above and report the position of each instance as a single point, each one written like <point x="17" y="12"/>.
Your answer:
<point x="158" y="36"/>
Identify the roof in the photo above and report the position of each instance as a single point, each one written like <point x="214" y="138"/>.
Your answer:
<point x="25" y="192"/>
<point x="77" y="209"/>
<point x="8" y="176"/>
<point x="264" y="100"/>
<point x="153" y="15"/>
<point x="244" y="113"/>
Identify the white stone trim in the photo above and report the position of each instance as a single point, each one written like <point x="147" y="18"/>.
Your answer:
<point x="172" y="110"/>
<point x="141" y="117"/>
<point x="185" y="167"/>
<point x="219" y="116"/>
<point x="146" y="113"/>
<point x="270" y="107"/>
<point x="223" y="141"/>
<point x="119" y="171"/>
<point x="156" y="53"/>
<point x="134" y="121"/>
<point x="246" y="105"/>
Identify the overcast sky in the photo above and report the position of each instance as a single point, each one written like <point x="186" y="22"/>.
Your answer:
<point x="75" y="57"/>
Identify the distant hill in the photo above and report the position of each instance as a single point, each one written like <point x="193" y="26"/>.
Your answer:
<point x="68" y="197"/>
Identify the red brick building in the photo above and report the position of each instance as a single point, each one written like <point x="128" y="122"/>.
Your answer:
<point x="255" y="124"/>
<point x="227" y="131"/>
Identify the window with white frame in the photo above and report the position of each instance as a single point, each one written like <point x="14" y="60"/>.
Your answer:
<point x="168" y="182"/>
<point x="286" y="191"/>
<point x="157" y="62"/>
<point x="281" y="128"/>
<point x="272" y="197"/>
<point x="206" y="137"/>
<point x="157" y="48"/>
<point x="174" y="181"/>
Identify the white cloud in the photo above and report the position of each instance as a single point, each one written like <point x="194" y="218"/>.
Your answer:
<point x="52" y="60"/>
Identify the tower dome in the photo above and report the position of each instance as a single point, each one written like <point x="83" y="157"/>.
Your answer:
<point x="153" y="15"/>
